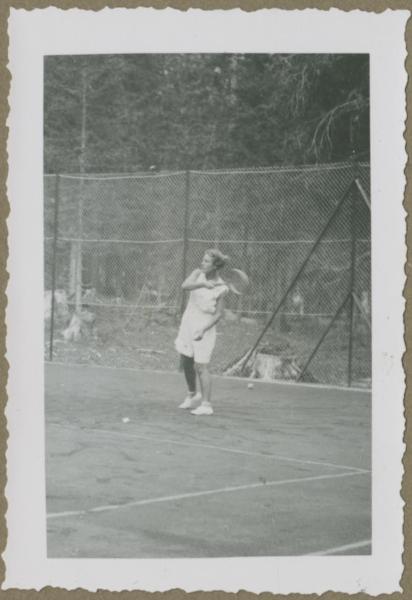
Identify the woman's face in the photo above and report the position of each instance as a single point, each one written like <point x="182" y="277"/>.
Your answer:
<point x="207" y="264"/>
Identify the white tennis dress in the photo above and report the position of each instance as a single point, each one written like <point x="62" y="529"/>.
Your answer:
<point x="200" y="308"/>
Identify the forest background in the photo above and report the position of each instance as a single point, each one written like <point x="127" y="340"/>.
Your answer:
<point x="128" y="113"/>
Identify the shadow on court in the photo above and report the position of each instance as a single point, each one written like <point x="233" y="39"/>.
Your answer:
<point x="278" y="470"/>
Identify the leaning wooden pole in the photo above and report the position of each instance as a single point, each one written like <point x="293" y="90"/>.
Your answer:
<point x="298" y="274"/>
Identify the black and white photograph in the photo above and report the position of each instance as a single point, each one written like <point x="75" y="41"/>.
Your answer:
<point x="207" y="309"/>
<point x="207" y="240"/>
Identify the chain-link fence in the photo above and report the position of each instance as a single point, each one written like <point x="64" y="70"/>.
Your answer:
<point x="117" y="248"/>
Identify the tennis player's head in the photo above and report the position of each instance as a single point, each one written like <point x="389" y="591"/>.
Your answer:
<point x="213" y="260"/>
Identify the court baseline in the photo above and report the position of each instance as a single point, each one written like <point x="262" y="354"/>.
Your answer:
<point x="352" y="546"/>
<point x="202" y="493"/>
<point x="321" y="386"/>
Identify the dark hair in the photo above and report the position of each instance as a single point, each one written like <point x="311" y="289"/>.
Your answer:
<point x="219" y="259"/>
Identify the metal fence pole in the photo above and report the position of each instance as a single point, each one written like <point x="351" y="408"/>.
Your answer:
<point x="185" y="237"/>
<point x="245" y="249"/>
<point x="53" y="283"/>
<point x="351" y="317"/>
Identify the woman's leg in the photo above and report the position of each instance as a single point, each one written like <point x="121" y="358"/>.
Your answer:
<point x="205" y="382"/>
<point x="202" y="352"/>
<point x="190" y="373"/>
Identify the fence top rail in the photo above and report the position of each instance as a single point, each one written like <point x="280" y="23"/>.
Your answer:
<point x="280" y="169"/>
<point x="102" y="240"/>
<point x="202" y="241"/>
<point x="276" y="242"/>
<point x="247" y="171"/>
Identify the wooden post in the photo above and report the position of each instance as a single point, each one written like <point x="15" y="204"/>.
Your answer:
<point x="218" y="221"/>
<point x="72" y="271"/>
<point x="247" y="221"/>
<point x="53" y="284"/>
<point x="354" y="235"/>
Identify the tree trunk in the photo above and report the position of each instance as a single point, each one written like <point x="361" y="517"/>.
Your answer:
<point x="73" y="269"/>
<point x="268" y="365"/>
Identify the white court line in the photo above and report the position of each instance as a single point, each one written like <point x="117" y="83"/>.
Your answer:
<point x="223" y="490"/>
<point x="114" y="241"/>
<point x="221" y="448"/>
<point x="361" y="544"/>
<point x="315" y="386"/>
<point x="133" y="176"/>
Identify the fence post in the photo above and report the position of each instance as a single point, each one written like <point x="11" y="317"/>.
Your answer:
<point x="354" y="228"/>
<point x="53" y="282"/>
<point x="248" y="222"/>
<point x="185" y="237"/>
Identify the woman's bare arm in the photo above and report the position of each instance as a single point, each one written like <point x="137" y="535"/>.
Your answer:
<point x="191" y="283"/>
<point x="214" y="319"/>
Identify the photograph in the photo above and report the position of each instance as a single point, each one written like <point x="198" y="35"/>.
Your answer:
<point x="207" y="305"/>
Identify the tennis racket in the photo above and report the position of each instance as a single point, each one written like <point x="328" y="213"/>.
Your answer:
<point x="237" y="281"/>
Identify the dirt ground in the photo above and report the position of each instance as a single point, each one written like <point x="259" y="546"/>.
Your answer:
<point x="145" y="340"/>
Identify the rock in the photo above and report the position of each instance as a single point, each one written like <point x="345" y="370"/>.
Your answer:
<point x="80" y="324"/>
<point x="161" y="318"/>
<point x="269" y="367"/>
<point x="229" y="315"/>
<point x="87" y="317"/>
<point x="73" y="331"/>
<point x="248" y="321"/>
<point x="61" y="306"/>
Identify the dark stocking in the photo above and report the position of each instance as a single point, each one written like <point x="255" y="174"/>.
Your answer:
<point x="190" y="373"/>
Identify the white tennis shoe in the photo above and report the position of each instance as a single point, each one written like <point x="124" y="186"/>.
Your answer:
<point x="203" y="409"/>
<point x="190" y="401"/>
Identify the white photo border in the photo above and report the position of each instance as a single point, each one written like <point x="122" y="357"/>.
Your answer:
<point x="34" y="34"/>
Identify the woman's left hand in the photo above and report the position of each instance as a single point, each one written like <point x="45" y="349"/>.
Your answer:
<point x="198" y="334"/>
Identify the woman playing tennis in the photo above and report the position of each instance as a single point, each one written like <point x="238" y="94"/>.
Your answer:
<point x="197" y="334"/>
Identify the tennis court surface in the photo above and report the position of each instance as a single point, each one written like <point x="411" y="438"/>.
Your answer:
<point x="280" y="470"/>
